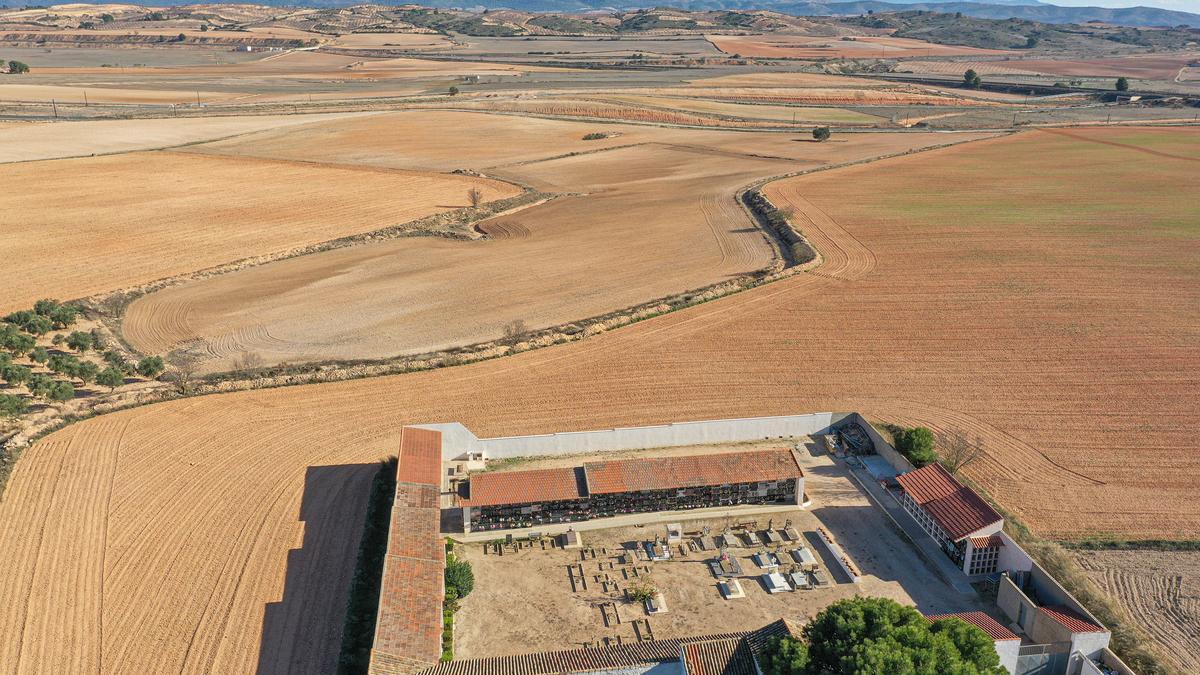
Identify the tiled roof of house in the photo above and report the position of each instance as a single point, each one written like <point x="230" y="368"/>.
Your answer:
<point x="992" y="541"/>
<point x="525" y="487"/>
<point x="1072" y="620"/>
<point x="408" y="631"/>
<point x="993" y="628"/>
<point x="953" y="506"/>
<point x="730" y="656"/>
<point x="664" y="473"/>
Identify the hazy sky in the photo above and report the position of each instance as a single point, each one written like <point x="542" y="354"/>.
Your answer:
<point x="1181" y="5"/>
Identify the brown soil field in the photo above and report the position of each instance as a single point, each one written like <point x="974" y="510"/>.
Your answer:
<point x="1161" y="591"/>
<point x="26" y="141"/>
<point x="833" y="96"/>
<point x="665" y="206"/>
<point x="42" y="93"/>
<point x="804" y="47"/>
<point x="122" y="220"/>
<point x="1146" y="67"/>
<point x="1028" y="312"/>
<point x="773" y="113"/>
<point x="421" y="41"/>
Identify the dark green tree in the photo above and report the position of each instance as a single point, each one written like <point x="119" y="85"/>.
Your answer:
<point x="459" y="576"/>
<point x="39" y="354"/>
<point x="63" y="364"/>
<point x="917" y="445"/>
<point x="62" y="391"/>
<point x="785" y="656"/>
<point x="821" y="133"/>
<point x="12" y="405"/>
<point x="971" y="79"/>
<point x="1122" y="84"/>
<point x="87" y="371"/>
<point x="15" y="374"/>
<point x="79" y="341"/>
<point x="64" y="316"/>
<point x="17" y="68"/>
<point x="46" y="306"/>
<point x="40" y="385"/>
<point x="453" y="90"/>
<point x="151" y="366"/>
<point x="110" y="377"/>
<point x="38" y="325"/>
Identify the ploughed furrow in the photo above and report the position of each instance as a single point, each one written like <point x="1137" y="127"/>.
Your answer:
<point x="845" y="257"/>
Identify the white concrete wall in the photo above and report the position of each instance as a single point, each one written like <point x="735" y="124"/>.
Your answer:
<point x="1013" y="558"/>
<point x="884" y="449"/>
<point x="457" y="440"/>
<point x="1008" y="650"/>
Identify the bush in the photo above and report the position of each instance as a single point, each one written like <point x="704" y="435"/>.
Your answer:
<point x="17" y="68"/>
<point x="915" y="444"/>
<point x="151" y="366"/>
<point x="459" y="577"/>
<point x="821" y="134"/>
<point x="594" y="136"/>
<point x="12" y="405"/>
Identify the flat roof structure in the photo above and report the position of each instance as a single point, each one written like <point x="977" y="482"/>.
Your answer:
<point x="630" y="475"/>
<point x="952" y="505"/>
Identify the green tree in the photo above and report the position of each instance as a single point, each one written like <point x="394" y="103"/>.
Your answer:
<point x="916" y="444"/>
<point x="62" y="391"/>
<point x="113" y="358"/>
<point x="151" y="366"/>
<point x="64" y="316"/>
<point x="5" y="359"/>
<point x="459" y="576"/>
<point x="38" y="325"/>
<point x="39" y="354"/>
<point x="87" y="371"/>
<point x="785" y="656"/>
<point x="971" y="79"/>
<point x="878" y="635"/>
<point x="63" y="364"/>
<point x="40" y="385"/>
<point x="19" y="318"/>
<point x="46" y="306"/>
<point x="110" y="377"/>
<point x="453" y="90"/>
<point x="821" y="133"/>
<point x="1122" y="84"/>
<point x="14" y="374"/>
<point x="12" y="405"/>
<point x="1031" y="42"/>
<point x="17" y="68"/>
<point x="80" y="341"/>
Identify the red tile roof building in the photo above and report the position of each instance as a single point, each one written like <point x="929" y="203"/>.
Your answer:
<point x="961" y="522"/>
<point x="1072" y="620"/>
<point x="408" y="629"/>
<point x="515" y="499"/>
<point x="993" y="628"/>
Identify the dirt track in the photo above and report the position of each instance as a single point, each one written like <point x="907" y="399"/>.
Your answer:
<point x="1070" y="348"/>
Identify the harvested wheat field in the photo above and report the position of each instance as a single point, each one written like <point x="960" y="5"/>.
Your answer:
<point x="84" y="94"/>
<point x="805" y="47"/>
<point x="667" y="207"/>
<point x="773" y="113"/>
<point x="122" y="220"/>
<point x="1161" y="591"/>
<point x="25" y="141"/>
<point x="1045" y="315"/>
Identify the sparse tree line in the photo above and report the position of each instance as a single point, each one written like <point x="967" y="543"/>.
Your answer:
<point x="19" y="335"/>
<point x="14" y="67"/>
<point x="952" y="449"/>
<point x="777" y="220"/>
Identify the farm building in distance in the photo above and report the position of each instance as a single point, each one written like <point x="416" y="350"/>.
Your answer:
<point x="958" y="519"/>
<point x="516" y="499"/>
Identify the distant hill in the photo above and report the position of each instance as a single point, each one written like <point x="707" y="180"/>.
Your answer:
<point x="1127" y="16"/>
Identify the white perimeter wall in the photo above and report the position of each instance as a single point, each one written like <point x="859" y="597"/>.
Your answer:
<point x="457" y="440"/>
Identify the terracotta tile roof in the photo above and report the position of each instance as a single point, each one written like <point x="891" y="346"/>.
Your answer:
<point x="993" y="541"/>
<point x="730" y="656"/>
<point x="420" y="456"/>
<point x="525" y="487"/>
<point x="573" y="660"/>
<point x="993" y="628"/>
<point x="664" y="473"/>
<point x="1072" y="620"/>
<point x="409" y="625"/>
<point x="953" y="506"/>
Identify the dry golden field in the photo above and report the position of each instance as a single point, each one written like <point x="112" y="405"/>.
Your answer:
<point x="122" y="220"/>
<point x="667" y="206"/>
<point x="805" y="47"/>
<point x="1054" y="314"/>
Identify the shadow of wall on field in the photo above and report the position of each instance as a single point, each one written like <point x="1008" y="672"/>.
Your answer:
<point x="302" y="633"/>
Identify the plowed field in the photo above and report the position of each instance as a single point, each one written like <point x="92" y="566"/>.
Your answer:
<point x="803" y="47"/>
<point x="1161" y="591"/>
<point x="122" y="220"/>
<point x="1052" y="309"/>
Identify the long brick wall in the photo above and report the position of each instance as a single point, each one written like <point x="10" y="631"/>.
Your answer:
<point x="408" y="630"/>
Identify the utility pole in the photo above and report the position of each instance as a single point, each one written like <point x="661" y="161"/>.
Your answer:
<point x="55" y="106"/>
<point x="85" y="101"/>
<point x="197" y="99"/>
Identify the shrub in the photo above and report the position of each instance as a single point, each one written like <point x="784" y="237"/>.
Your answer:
<point x="915" y="444"/>
<point x="151" y="366"/>
<point x="459" y="577"/>
<point x="12" y="405"/>
<point x="594" y="136"/>
<point x="17" y="68"/>
<point x="453" y="91"/>
<point x="821" y="134"/>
